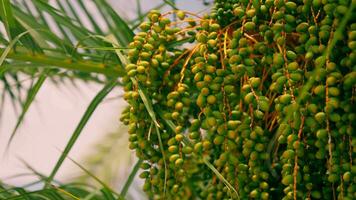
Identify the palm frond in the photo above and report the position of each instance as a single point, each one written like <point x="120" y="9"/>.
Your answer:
<point x="39" y="35"/>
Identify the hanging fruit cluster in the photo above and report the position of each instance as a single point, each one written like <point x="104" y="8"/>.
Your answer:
<point x="254" y="101"/>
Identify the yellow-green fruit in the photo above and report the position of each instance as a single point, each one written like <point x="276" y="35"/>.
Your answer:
<point x="350" y="80"/>
<point x="264" y="196"/>
<point x="198" y="147"/>
<point x="263" y="105"/>
<point x="302" y="27"/>
<point x="187" y="150"/>
<point x="173" y="95"/>
<point x="204" y="91"/>
<point x="144" y="174"/>
<point x="179" y="106"/>
<point x="331" y="80"/>
<point x="239" y="12"/>
<point x="145" y="26"/>
<point x="281" y="80"/>
<point x="285" y="98"/>
<point x="251" y="12"/>
<point x="207" y="145"/>
<point x="331" y="66"/>
<point x="173" y="149"/>
<point x="194" y="135"/>
<point x="130" y="67"/>
<point x="145" y="166"/>
<point x="211" y="121"/>
<point x="334" y="91"/>
<point x="201" y="101"/>
<point x="259" y="114"/>
<point x="249" y="26"/>
<point x="295" y="76"/>
<point x="202" y="37"/>
<point x="148" y="47"/>
<point x="322" y="134"/>
<point x="255" y="82"/>
<point x="254" y="193"/>
<point x="319" y="90"/>
<point x="313" y="108"/>
<point x="288" y="179"/>
<point x="132" y="73"/>
<point x="333" y="178"/>
<point x="293" y="66"/>
<point x="214" y="27"/>
<point x="233" y="124"/>
<point x="347" y="176"/>
<point x="291" y="55"/>
<point x="173" y="157"/>
<point x="259" y="147"/>
<point x="320" y="117"/>
<point x="179" y="162"/>
<point x="291" y="6"/>
<point x="181" y="14"/>
<point x="212" y="43"/>
<point x="175" y="115"/>
<point x="218" y="140"/>
<point x="179" y="137"/>
<point x="211" y="99"/>
<point x="249" y="97"/>
<point x="288" y="154"/>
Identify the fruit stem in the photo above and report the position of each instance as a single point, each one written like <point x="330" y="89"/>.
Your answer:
<point x="250" y="37"/>
<point x="295" y="172"/>
<point x="186" y="62"/>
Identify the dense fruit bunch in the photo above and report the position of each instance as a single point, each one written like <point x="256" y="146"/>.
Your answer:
<point x="255" y="101"/>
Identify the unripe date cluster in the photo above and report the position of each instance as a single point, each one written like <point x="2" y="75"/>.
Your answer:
<point x="262" y="90"/>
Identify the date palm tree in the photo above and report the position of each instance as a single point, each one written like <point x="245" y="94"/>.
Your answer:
<point x="55" y="41"/>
